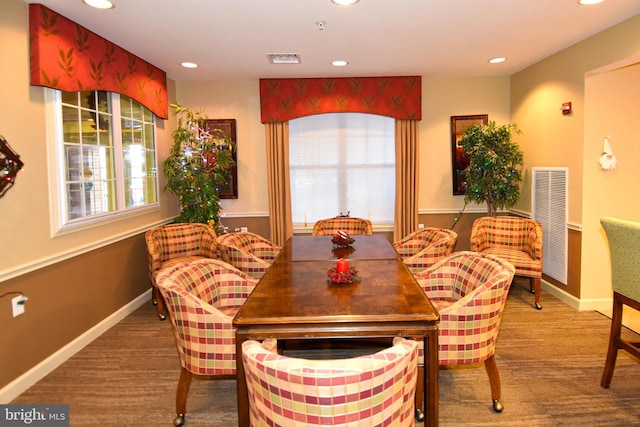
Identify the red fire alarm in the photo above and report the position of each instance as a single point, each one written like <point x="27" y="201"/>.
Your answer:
<point x="566" y="108"/>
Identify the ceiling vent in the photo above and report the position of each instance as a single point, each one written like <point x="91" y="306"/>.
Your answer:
<point x="284" y="58"/>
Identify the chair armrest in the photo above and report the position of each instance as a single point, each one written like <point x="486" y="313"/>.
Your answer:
<point x="247" y="263"/>
<point x="479" y="239"/>
<point x="533" y="244"/>
<point x="430" y="255"/>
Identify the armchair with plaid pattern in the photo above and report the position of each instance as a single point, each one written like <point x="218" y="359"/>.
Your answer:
<point x="469" y="290"/>
<point x="425" y="247"/>
<point x="376" y="389"/>
<point x="516" y="239"/>
<point x="248" y="252"/>
<point x="202" y="296"/>
<point x="352" y="225"/>
<point x="172" y="244"/>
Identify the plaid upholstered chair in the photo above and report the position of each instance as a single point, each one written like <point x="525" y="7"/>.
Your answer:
<point x="248" y="252"/>
<point x="469" y="291"/>
<point x="202" y="296"/>
<point x="174" y="243"/>
<point x="330" y="226"/>
<point x="376" y="389"/>
<point x="516" y="239"/>
<point x="624" y="248"/>
<point x="424" y="247"/>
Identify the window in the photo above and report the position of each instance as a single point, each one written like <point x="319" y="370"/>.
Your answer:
<point x="105" y="157"/>
<point x="342" y="162"/>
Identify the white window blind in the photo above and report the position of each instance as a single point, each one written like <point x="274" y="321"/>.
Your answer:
<point x="342" y="162"/>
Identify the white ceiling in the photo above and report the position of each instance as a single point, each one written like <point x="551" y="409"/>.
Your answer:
<point x="454" y="38"/>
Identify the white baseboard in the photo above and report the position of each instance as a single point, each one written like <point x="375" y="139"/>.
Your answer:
<point x="579" y="304"/>
<point x="42" y="369"/>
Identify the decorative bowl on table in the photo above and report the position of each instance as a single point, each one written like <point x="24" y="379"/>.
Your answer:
<point x="348" y="276"/>
<point x="342" y="240"/>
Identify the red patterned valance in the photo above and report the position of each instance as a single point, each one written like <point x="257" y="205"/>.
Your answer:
<point x="67" y="56"/>
<point x="284" y="99"/>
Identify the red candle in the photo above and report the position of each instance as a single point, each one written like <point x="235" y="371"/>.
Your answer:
<point x="343" y="266"/>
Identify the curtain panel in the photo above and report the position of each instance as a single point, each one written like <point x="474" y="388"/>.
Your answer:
<point x="66" y="56"/>
<point x="284" y="99"/>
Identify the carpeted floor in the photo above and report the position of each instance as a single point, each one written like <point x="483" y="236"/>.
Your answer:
<point x="550" y="364"/>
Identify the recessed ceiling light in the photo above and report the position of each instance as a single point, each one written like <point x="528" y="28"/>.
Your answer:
<point x="588" y="2"/>
<point x="497" y="60"/>
<point x="344" y="2"/>
<point x="189" y="64"/>
<point x="339" y="63"/>
<point x="284" y="58"/>
<point x="99" y="4"/>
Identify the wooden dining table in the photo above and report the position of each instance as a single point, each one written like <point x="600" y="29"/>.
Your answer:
<point x="295" y="301"/>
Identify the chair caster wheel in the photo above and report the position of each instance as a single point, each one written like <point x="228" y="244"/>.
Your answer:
<point x="419" y="415"/>
<point x="538" y="306"/>
<point x="162" y="316"/>
<point x="179" y="420"/>
<point x="497" y="406"/>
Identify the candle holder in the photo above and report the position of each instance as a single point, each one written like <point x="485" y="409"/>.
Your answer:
<point x="342" y="240"/>
<point x="348" y="276"/>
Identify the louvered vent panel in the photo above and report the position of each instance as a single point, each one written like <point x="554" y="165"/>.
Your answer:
<point x="550" y="192"/>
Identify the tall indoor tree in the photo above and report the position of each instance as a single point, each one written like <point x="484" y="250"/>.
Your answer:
<point x="198" y="164"/>
<point x="495" y="166"/>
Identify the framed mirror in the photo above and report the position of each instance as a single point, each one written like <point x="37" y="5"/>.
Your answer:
<point x="228" y="126"/>
<point x="459" y="125"/>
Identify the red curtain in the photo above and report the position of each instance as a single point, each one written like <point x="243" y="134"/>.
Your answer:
<point x="284" y="99"/>
<point x="67" y="56"/>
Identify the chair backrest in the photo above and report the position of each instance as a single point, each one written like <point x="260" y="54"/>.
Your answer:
<point x="352" y="225"/>
<point x="180" y="240"/>
<point x="624" y="247"/>
<point x="202" y="297"/>
<point x="251" y="243"/>
<point x="428" y="237"/>
<point x="506" y="231"/>
<point x="469" y="290"/>
<point x="376" y="389"/>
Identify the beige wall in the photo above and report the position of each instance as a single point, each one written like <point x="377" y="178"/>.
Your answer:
<point x="75" y="281"/>
<point x="551" y="139"/>
<point x="612" y="102"/>
<point x="442" y="98"/>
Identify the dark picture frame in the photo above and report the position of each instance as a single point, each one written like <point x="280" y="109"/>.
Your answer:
<point x="228" y="126"/>
<point x="459" y="162"/>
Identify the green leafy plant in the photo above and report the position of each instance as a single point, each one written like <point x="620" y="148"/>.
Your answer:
<point x="495" y="166"/>
<point x="197" y="166"/>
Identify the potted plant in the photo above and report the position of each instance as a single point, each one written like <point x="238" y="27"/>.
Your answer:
<point x="197" y="166"/>
<point x="494" y="172"/>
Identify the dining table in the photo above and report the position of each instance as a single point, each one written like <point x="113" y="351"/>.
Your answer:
<point x="295" y="300"/>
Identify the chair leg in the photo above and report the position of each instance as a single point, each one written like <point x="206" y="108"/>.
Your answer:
<point x="534" y="284"/>
<point x="494" y="380"/>
<point x="614" y="341"/>
<point x="419" y="395"/>
<point x="159" y="303"/>
<point x="181" y="397"/>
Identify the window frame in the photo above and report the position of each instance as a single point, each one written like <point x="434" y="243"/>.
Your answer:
<point x="303" y="227"/>
<point x="59" y="224"/>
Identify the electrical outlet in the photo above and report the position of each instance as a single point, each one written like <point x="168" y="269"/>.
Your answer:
<point x="17" y="305"/>
<point x="420" y="226"/>
<point x="244" y="229"/>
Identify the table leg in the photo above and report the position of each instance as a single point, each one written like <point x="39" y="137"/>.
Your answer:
<point x="241" y="384"/>
<point x="431" y="373"/>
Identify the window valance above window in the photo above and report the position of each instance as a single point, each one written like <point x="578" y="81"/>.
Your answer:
<point x="68" y="57"/>
<point x="284" y="99"/>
